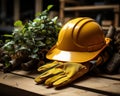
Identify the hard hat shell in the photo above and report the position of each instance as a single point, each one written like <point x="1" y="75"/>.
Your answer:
<point x="79" y="40"/>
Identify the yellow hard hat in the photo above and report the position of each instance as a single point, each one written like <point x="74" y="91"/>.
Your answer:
<point x="79" y="40"/>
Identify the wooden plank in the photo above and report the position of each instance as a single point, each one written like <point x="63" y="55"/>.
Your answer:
<point x="62" y="7"/>
<point x="102" y="85"/>
<point x="95" y="7"/>
<point x="115" y="8"/>
<point x="70" y="1"/>
<point x="106" y="28"/>
<point x="16" y="10"/>
<point x="38" y="6"/>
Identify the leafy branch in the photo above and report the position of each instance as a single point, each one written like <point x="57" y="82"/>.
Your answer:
<point x="33" y="36"/>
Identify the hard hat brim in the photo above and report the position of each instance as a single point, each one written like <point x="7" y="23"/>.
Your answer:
<point x="70" y="56"/>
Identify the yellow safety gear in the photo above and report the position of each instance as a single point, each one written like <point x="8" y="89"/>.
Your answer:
<point x="79" y="40"/>
<point x="59" y="74"/>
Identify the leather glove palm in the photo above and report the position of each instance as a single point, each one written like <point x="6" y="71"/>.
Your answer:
<point x="60" y="74"/>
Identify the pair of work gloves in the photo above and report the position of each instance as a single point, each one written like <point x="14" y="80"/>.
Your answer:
<point x="58" y="74"/>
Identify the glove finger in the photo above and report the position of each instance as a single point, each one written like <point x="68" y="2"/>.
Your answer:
<point x="38" y="80"/>
<point x="60" y="81"/>
<point x="47" y="66"/>
<point x="66" y="80"/>
<point x="51" y="72"/>
<point x="42" y="77"/>
<point x="51" y="80"/>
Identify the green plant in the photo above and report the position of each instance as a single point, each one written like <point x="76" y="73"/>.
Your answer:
<point x="33" y="36"/>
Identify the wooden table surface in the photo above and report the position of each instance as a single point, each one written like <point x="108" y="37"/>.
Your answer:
<point x="21" y="83"/>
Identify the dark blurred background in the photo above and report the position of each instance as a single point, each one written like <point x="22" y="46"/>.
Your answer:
<point x="12" y="10"/>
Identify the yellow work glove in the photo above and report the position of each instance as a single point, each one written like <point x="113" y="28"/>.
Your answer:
<point x="47" y="70"/>
<point x="60" y="74"/>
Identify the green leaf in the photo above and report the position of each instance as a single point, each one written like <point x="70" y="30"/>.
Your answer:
<point x="9" y="43"/>
<point x="49" y="7"/>
<point x="18" y="23"/>
<point x="23" y="48"/>
<point x="7" y="40"/>
<point x="42" y="26"/>
<point x="55" y="19"/>
<point x="36" y="20"/>
<point x="8" y="48"/>
<point x="37" y="14"/>
<point x="34" y="56"/>
<point x="7" y="64"/>
<point x="35" y="50"/>
<point x="7" y="35"/>
<point x="40" y="43"/>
